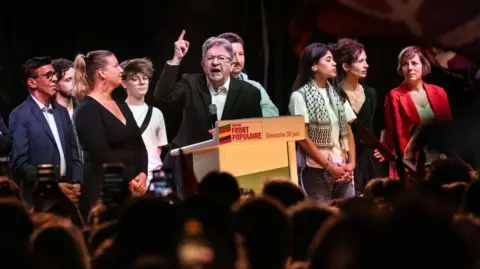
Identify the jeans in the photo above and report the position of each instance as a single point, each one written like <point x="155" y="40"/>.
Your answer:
<point x="321" y="186"/>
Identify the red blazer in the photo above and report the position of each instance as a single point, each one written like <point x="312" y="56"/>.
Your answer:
<point x="406" y="115"/>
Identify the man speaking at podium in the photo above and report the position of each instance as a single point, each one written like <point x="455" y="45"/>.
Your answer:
<point x="206" y="98"/>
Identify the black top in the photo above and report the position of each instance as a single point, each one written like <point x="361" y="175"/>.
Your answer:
<point x="365" y="117"/>
<point x="191" y="92"/>
<point x="105" y="138"/>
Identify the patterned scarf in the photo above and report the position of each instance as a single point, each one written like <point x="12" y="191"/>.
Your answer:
<point x="320" y="128"/>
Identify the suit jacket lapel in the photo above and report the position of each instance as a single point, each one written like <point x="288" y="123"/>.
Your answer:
<point x="38" y="114"/>
<point x="434" y="98"/>
<point x="233" y="92"/>
<point x="60" y="125"/>
<point x="408" y="104"/>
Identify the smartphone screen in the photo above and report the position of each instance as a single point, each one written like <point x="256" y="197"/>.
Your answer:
<point x="45" y="186"/>
<point x="161" y="188"/>
<point x="45" y="178"/>
<point x="161" y="185"/>
<point x="113" y="189"/>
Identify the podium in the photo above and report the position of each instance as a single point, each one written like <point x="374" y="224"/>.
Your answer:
<point x="250" y="149"/>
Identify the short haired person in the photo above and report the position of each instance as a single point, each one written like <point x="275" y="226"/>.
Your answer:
<point x="42" y="133"/>
<point x="135" y="79"/>
<point x="5" y="138"/>
<point x="65" y="81"/>
<point x="414" y="103"/>
<point x="5" y="146"/>
<point x="268" y="108"/>
<point x="65" y="94"/>
<point x="233" y="98"/>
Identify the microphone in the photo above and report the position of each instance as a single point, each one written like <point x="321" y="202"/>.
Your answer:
<point x="212" y="108"/>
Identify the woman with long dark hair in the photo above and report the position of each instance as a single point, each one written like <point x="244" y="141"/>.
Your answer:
<point x="352" y="67"/>
<point x="329" y="147"/>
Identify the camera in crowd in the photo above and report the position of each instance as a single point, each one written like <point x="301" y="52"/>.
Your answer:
<point x="46" y="183"/>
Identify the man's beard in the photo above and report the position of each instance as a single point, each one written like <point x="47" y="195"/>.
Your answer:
<point x="237" y="69"/>
<point x="63" y="94"/>
<point x="237" y="66"/>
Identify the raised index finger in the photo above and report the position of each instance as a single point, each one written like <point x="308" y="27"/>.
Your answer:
<point x="181" y="35"/>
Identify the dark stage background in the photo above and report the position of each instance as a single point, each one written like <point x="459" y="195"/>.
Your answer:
<point x="148" y="29"/>
<point x="139" y="29"/>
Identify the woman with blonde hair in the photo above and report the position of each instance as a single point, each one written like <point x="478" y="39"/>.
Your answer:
<point x="106" y="129"/>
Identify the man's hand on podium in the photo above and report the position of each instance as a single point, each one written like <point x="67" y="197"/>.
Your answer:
<point x="378" y="155"/>
<point x="212" y="132"/>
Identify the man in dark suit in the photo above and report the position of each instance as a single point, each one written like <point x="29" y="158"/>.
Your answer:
<point x="233" y="98"/>
<point x="5" y="139"/>
<point x="42" y="133"/>
<point x="5" y="147"/>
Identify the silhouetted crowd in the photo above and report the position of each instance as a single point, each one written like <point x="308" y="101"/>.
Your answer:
<point x="424" y="224"/>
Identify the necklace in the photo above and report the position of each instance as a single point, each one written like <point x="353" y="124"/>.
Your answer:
<point x="355" y="96"/>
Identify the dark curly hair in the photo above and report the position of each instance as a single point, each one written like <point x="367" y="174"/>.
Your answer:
<point x="61" y="66"/>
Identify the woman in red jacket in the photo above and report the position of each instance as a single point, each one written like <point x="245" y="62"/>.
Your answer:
<point x="413" y="105"/>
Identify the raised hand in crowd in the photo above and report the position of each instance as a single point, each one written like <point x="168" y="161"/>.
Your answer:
<point x="181" y="49"/>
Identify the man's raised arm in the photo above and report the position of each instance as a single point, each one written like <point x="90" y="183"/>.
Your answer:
<point x="166" y="90"/>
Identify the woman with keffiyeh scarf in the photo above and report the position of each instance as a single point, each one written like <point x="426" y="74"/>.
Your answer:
<point x="327" y="155"/>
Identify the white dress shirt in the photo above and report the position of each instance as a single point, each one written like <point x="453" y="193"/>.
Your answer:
<point x="219" y="96"/>
<point x="48" y="113"/>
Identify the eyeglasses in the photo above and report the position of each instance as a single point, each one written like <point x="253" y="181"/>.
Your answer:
<point x="220" y="58"/>
<point x="48" y="75"/>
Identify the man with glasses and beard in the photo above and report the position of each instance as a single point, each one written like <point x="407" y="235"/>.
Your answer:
<point x="213" y="95"/>
<point x="42" y="133"/>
